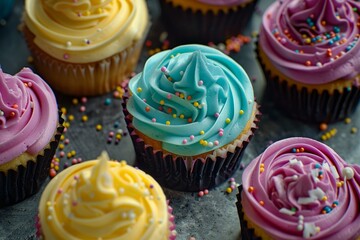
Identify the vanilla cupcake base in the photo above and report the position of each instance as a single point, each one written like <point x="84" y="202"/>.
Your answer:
<point x="87" y="79"/>
<point x="24" y="181"/>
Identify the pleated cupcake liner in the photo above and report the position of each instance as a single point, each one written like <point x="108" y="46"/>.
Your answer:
<point x="185" y="173"/>
<point x="86" y="79"/>
<point x="187" y="26"/>
<point x="16" y="185"/>
<point x="246" y="233"/>
<point x="310" y="105"/>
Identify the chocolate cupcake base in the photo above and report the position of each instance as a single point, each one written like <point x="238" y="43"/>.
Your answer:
<point x="187" y="26"/>
<point x="16" y="185"/>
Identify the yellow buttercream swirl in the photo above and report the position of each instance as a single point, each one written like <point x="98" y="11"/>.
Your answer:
<point x="83" y="31"/>
<point x="103" y="199"/>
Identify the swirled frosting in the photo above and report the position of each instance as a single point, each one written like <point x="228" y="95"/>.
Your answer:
<point x="193" y="98"/>
<point x="300" y="188"/>
<point x="102" y="199"/>
<point x="28" y="114"/>
<point x="83" y="31"/>
<point x="312" y="41"/>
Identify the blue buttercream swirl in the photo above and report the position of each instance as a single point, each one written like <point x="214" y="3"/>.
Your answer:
<point x="193" y="98"/>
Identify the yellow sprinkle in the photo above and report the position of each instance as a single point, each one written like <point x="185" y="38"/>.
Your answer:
<point x="57" y="159"/>
<point x="196" y="104"/>
<point x="84" y="118"/>
<point x="73" y="153"/>
<point x="354" y="130"/>
<point x="66" y="124"/>
<point x="241" y="112"/>
<point x="69" y="155"/>
<point x="262" y="169"/>
<point x="75" y="101"/>
<point x="139" y="89"/>
<point x="229" y="190"/>
<point x="63" y="110"/>
<point x="174" y="115"/>
<point x="338" y="184"/>
<point x="123" y="163"/>
<point x="118" y="136"/>
<point x="98" y="127"/>
<point x="182" y="116"/>
<point x="30" y="59"/>
<point x="71" y="118"/>
<point x="56" y="168"/>
<point x="262" y="165"/>
<point x="61" y="146"/>
<point x="86" y="13"/>
<point x="202" y="132"/>
<point x="324" y="138"/>
<point x="324" y="198"/>
<point x="201" y="141"/>
<point x="48" y="203"/>
<point x="328" y="135"/>
<point x="347" y="120"/>
<point x="167" y="122"/>
<point x="181" y="95"/>
<point x="62" y="137"/>
<point x="99" y="10"/>
<point x="52" y="165"/>
<point x="205" y="143"/>
<point x="333" y="132"/>
<point x="162" y="102"/>
<point x="227" y="120"/>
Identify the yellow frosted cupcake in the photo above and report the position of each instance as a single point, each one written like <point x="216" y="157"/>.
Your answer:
<point x="85" y="47"/>
<point x="102" y="199"/>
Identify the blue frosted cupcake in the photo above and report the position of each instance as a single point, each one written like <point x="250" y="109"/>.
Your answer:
<point x="191" y="114"/>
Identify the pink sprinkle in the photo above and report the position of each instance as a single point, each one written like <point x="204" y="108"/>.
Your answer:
<point x="216" y="115"/>
<point x="82" y="109"/>
<point x="283" y="40"/>
<point x="29" y="84"/>
<point x="177" y="94"/>
<point x="232" y="187"/>
<point x="116" y="94"/>
<point x="201" y="82"/>
<point x="66" y="56"/>
<point x="83" y="99"/>
<point x="76" y="177"/>
<point x="79" y="160"/>
<point x="221" y="130"/>
<point x="163" y="69"/>
<point x="206" y="192"/>
<point x="232" y="179"/>
<point x="216" y="142"/>
<point x="153" y="120"/>
<point x="111" y="134"/>
<point x="59" y="191"/>
<point x="192" y="137"/>
<point x="221" y="134"/>
<point x="184" y="141"/>
<point x="201" y="193"/>
<point x="65" y="130"/>
<point x="169" y="96"/>
<point x="62" y="154"/>
<point x="66" y="141"/>
<point x="74" y="203"/>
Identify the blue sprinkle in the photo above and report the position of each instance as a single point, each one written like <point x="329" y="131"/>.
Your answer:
<point x="107" y="101"/>
<point x="336" y="203"/>
<point x="116" y="124"/>
<point x="331" y="42"/>
<point x="317" y="165"/>
<point x="294" y="150"/>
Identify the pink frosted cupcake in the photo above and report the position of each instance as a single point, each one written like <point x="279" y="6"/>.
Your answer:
<point x="299" y="188"/>
<point x="30" y="128"/>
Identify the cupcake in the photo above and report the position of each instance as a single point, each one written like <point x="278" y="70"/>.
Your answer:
<point x="204" y="21"/>
<point x="85" y="47"/>
<point x="6" y="7"/>
<point x="309" y="52"/>
<point x="299" y="188"/>
<point x="30" y="129"/>
<point x="191" y="113"/>
<point x="102" y="199"/>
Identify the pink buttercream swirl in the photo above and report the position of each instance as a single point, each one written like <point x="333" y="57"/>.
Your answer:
<point x="28" y="114"/>
<point x="312" y="41"/>
<point x="297" y="188"/>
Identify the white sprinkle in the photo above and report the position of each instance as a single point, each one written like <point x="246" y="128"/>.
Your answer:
<point x="286" y="211"/>
<point x="348" y="173"/>
<point x="301" y="217"/>
<point x="295" y="177"/>
<point x="334" y="172"/>
<point x="121" y="190"/>
<point x="124" y="215"/>
<point x="120" y="131"/>
<point x="326" y="166"/>
<point x="132" y="215"/>
<point x="309" y="230"/>
<point x="300" y="227"/>
<point x="68" y="44"/>
<point x="49" y="217"/>
<point x="1" y="113"/>
<point x="32" y="104"/>
<point x="210" y="144"/>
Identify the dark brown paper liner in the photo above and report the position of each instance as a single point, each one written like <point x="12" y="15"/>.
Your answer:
<point x="15" y="186"/>
<point x="311" y="105"/>
<point x="174" y="174"/>
<point x="85" y="79"/>
<point x="246" y="233"/>
<point x="187" y="26"/>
